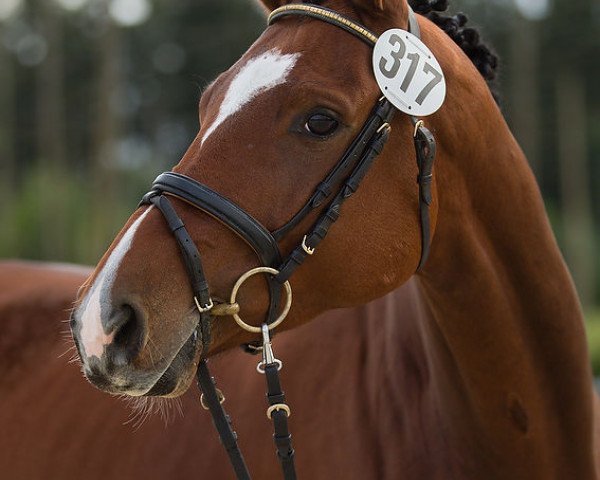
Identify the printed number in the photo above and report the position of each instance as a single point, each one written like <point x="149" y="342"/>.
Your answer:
<point x="414" y="58"/>
<point x="437" y="78"/>
<point x="396" y="56"/>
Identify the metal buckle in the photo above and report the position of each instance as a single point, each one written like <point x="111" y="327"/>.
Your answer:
<point x="219" y="394"/>
<point x="306" y="248"/>
<point x="282" y="315"/>
<point x="204" y="308"/>
<point x="279" y="406"/>
<point x="384" y="126"/>
<point x="418" y="125"/>
<point x="260" y="368"/>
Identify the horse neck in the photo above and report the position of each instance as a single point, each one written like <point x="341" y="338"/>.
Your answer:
<point x="504" y="322"/>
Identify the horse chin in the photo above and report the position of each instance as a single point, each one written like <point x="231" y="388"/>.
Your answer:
<point x="179" y="375"/>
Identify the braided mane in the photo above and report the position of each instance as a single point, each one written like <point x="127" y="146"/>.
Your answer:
<point x="467" y="38"/>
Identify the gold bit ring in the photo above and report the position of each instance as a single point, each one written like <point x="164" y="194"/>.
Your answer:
<point x="282" y="315"/>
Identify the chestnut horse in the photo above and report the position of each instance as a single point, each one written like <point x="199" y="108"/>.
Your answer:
<point x="476" y="368"/>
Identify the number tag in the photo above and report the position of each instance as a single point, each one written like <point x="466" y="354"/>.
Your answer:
<point x="408" y="73"/>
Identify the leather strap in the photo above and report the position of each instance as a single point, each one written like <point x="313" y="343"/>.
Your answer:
<point x="413" y="23"/>
<point x="221" y="421"/>
<point x="425" y="147"/>
<point x="192" y="261"/>
<point x="282" y="437"/>
<point x="224" y="210"/>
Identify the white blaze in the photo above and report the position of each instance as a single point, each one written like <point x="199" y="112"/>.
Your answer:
<point x="93" y="338"/>
<point x="258" y="75"/>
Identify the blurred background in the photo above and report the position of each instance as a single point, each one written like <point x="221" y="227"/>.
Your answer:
<point x="99" y="96"/>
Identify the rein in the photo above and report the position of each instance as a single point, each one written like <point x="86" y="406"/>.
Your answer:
<point x="346" y="176"/>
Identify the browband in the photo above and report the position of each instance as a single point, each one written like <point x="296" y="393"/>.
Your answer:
<point x="334" y="18"/>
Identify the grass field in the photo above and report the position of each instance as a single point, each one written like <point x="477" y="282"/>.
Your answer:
<point x="593" y="334"/>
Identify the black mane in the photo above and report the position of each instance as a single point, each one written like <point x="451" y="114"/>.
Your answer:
<point x="467" y="38"/>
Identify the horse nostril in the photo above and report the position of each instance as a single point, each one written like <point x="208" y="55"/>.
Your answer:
<point x="127" y="325"/>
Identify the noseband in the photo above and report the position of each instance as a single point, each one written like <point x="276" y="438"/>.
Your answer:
<point x="329" y="195"/>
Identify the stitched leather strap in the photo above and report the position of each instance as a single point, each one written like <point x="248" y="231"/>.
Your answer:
<point x="221" y="421"/>
<point x="282" y="437"/>
<point x="224" y="210"/>
<point x="192" y="261"/>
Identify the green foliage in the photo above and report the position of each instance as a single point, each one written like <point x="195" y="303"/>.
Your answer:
<point x="51" y="217"/>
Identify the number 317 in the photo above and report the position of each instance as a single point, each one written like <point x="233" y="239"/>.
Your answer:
<point x="397" y="57"/>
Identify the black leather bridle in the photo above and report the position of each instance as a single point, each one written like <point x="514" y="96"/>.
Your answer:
<point x="339" y="185"/>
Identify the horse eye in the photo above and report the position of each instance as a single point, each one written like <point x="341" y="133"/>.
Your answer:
<point x="321" y="125"/>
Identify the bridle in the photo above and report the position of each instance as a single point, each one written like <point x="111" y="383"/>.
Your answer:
<point x="338" y="186"/>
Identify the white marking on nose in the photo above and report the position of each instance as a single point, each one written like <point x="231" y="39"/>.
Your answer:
<point x="258" y="75"/>
<point x="92" y="335"/>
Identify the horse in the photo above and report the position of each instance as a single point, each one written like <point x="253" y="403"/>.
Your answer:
<point x="475" y="364"/>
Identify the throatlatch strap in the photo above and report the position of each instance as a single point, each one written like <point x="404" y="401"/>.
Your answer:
<point x="221" y="421"/>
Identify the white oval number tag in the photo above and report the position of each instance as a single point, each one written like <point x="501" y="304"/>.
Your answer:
<point x="408" y="73"/>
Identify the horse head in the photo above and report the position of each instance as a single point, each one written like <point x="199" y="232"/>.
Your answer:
<point x="273" y="127"/>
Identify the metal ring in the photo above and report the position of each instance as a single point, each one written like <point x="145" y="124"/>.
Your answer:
<point x="260" y="368"/>
<point x="282" y="315"/>
<point x="219" y="394"/>
<point x="279" y="406"/>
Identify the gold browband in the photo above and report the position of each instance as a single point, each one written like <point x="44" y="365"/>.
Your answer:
<point x="326" y="15"/>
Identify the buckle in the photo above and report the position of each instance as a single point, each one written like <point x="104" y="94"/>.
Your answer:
<point x="204" y="308"/>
